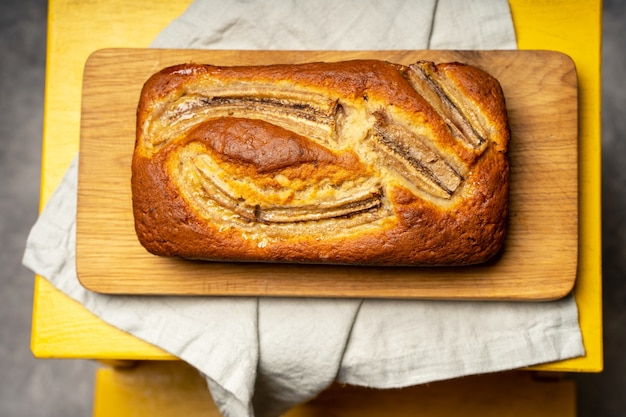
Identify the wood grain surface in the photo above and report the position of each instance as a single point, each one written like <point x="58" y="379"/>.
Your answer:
<point x="539" y="261"/>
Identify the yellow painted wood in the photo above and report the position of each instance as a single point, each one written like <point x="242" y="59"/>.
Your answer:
<point x="512" y="394"/>
<point x="76" y="29"/>
<point x="575" y="28"/>
<point x="63" y="328"/>
<point x="152" y="389"/>
<point x="174" y="389"/>
<point x="540" y="257"/>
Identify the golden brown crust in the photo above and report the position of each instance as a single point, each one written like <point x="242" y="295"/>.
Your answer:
<point x="357" y="162"/>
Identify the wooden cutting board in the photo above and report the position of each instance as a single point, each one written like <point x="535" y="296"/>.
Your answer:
<point x="539" y="261"/>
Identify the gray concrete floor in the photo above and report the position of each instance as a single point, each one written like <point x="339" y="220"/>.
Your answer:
<point x="32" y="387"/>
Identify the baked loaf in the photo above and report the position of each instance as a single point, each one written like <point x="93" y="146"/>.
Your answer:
<point x="358" y="162"/>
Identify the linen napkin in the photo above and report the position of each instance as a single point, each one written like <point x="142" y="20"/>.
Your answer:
<point x="261" y="356"/>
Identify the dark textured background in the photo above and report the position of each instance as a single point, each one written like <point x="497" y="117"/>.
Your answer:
<point x="32" y="387"/>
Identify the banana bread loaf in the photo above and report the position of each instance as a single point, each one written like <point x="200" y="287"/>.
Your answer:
<point x="357" y="162"/>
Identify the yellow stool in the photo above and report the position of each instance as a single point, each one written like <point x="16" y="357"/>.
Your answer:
<point x="170" y="388"/>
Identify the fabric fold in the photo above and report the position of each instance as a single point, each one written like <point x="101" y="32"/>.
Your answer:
<point x="293" y="347"/>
